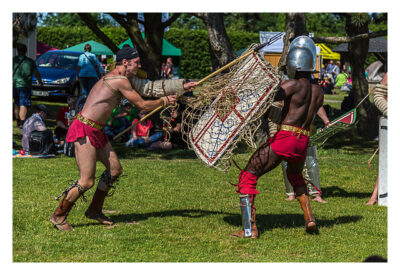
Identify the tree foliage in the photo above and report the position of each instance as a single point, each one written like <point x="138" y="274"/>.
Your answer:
<point x="73" y="20"/>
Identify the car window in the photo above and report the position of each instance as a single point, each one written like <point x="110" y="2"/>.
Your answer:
<point x="58" y="60"/>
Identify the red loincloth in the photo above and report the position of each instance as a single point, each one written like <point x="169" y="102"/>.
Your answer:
<point x="289" y="146"/>
<point x="79" y="130"/>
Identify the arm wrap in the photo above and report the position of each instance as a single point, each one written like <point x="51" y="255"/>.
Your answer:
<point x="158" y="88"/>
<point x="380" y="98"/>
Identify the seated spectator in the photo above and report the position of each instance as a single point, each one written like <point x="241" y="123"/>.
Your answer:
<point x="34" y="123"/>
<point x="120" y="119"/>
<point x="141" y="133"/>
<point x="173" y="134"/>
<point x="341" y="79"/>
<point x="64" y="119"/>
<point x="328" y="86"/>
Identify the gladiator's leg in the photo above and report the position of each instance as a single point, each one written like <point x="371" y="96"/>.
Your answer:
<point x="85" y="156"/>
<point x="295" y="177"/>
<point x="109" y="158"/>
<point x="311" y="173"/>
<point x="261" y="162"/>
<point x="288" y="186"/>
<point x="59" y="217"/>
<point x="248" y="212"/>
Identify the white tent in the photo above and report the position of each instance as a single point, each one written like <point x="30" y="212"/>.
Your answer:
<point x="277" y="46"/>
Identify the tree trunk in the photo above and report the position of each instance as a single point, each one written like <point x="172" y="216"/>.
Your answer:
<point x="221" y="50"/>
<point x="295" y="26"/>
<point x="367" y="113"/>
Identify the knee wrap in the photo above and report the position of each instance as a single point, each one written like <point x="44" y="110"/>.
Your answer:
<point x="75" y="184"/>
<point x="108" y="180"/>
<point x="247" y="183"/>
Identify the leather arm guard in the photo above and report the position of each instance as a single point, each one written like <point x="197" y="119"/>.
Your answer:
<point x="158" y="88"/>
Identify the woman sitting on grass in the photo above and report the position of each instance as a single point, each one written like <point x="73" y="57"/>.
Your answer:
<point x="141" y="133"/>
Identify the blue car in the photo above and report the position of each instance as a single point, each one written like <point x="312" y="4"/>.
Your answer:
<point x="58" y="72"/>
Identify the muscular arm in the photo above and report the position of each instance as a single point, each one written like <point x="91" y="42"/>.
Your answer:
<point x="136" y="99"/>
<point x="322" y="114"/>
<point x="285" y="90"/>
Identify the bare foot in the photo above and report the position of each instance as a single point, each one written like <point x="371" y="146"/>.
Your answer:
<point x="100" y="217"/>
<point x="371" y="202"/>
<point x="319" y="199"/>
<point x="290" y="198"/>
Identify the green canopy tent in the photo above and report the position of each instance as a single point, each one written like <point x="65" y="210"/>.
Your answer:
<point x="167" y="49"/>
<point x="97" y="48"/>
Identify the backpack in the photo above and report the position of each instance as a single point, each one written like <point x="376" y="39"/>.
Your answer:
<point x="41" y="143"/>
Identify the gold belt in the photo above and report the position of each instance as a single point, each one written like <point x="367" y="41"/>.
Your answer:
<point x="294" y="129"/>
<point x="86" y="121"/>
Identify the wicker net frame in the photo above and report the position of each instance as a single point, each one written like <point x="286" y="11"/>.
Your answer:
<point x="220" y="86"/>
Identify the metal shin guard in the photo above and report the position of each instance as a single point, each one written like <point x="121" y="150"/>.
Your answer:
<point x="245" y="207"/>
<point x="288" y="186"/>
<point x="312" y="170"/>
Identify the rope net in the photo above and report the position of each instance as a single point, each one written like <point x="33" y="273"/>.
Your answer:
<point x="247" y="87"/>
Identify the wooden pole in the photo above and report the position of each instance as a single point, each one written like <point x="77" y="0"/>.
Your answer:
<point x="143" y="118"/>
<point x="272" y="40"/>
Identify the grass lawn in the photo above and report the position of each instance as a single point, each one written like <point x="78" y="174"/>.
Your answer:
<point x="169" y="207"/>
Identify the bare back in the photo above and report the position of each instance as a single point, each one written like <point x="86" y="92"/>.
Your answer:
<point x="302" y="101"/>
<point x="102" y="100"/>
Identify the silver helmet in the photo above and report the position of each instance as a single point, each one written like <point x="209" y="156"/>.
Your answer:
<point x="302" y="56"/>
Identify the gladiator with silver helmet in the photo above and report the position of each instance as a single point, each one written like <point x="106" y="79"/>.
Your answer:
<point x="289" y="142"/>
<point x="302" y="56"/>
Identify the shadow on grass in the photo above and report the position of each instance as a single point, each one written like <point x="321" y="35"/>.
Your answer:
<point x="137" y="217"/>
<point x="129" y="153"/>
<point x="350" y="141"/>
<point x="269" y="222"/>
<point x="334" y="191"/>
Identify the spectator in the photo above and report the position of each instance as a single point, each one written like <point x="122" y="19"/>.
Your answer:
<point x="328" y="86"/>
<point x="336" y="70"/>
<point x="23" y="68"/>
<point x="341" y="79"/>
<point x="381" y="102"/>
<point x="34" y="123"/>
<point x="329" y="70"/>
<point x="64" y="119"/>
<point x="173" y="138"/>
<point x="88" y="70"/>
<point x="141" y="133"/>
<point x="104" y="64"/>
<point x="120" y="119"/>
<point x="168" y="68"/>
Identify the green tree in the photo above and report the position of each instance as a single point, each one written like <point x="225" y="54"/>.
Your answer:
<point x="254" y="22"/>
<point x="73" y="20"/>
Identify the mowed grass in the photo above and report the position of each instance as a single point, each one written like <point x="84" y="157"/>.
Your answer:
<point x="169" y="207"/>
